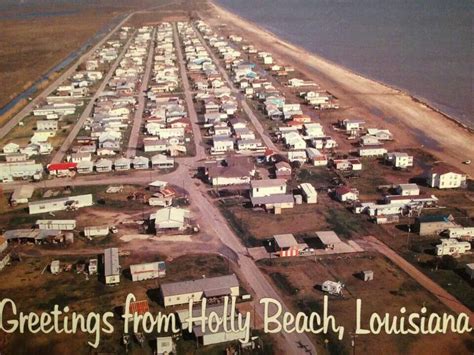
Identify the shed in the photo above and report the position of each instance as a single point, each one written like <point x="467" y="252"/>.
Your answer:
<point x="329" y="239"/>
<point x="55" y="267"/>
<point x="92" y="268"/>
<point x="22" y="194"/>
<point x="165" y="346"/>
<point x="367" y="275"/>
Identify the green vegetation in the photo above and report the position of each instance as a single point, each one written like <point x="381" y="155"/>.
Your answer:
<point x="240" y="228"/>
<point x="284" y="283"/>
<point x="446" y="272"/>
<point x="332" y="344"/>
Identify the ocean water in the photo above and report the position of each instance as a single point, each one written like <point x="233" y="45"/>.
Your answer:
<point x="422" y="46"/>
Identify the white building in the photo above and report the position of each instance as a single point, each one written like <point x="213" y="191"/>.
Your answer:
<point x="69" y="203"/>
<point x="222" y="144"/>
<point x="309" y="193"/>
<point x="177" y="293"/>
<point x="399" y="159"/>
<point x="444" y="177"/>
<point x="57" y="224"/>
<point x="170" y="218"/>
<point x="148" y="271"/>
<point x="96" y="231"/>
<point x="452" y="247"/>
<point x="408" y="190"/>
<point x="374" y="151"/>
<point x="111" y="266"/>
<point x="260" y="188"/>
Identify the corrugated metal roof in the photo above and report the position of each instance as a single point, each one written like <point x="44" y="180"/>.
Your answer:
<point x="200" y="285"/>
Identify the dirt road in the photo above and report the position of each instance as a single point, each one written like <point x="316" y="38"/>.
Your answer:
<point x="59" y="156"/>
<point x="138" y="115"/>
<point x="242" y="101"/>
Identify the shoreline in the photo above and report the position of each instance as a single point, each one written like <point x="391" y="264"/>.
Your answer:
<point x="418" y="99"/>
<point x="414" y="122"/>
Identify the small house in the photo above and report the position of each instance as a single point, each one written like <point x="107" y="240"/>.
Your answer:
<point x="161" y="161"/>
<point x="103" y="165"/>
<point x="399" y="160"/>
<point x="408" y="190"/>
<point x="434" y="224"/>
<point x="165" y="346"/>
<point x="121" y="164"/>
<point x="446" y="177"/>
<point x="283" y="170"/>
<point x="331" y="287"/>
<point x="345" y="193"/>
<point x="140" y="163"/>
<point x="170" y="218"/>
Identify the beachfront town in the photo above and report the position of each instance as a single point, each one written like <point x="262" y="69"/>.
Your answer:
<point x="180" y="161"/>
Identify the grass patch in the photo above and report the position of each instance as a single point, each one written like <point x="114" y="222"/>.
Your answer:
<point x="240" y="228"/>
<point x="284" y="283"/>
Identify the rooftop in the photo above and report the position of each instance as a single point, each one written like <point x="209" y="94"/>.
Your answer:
<point x="267" y="183"/>
<point x="285" y="240"/>
<point x="200" y="285"/>
<point x="328" y="237"/>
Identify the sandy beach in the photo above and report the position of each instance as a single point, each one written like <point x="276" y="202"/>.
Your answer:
<point x="413" y="123"/>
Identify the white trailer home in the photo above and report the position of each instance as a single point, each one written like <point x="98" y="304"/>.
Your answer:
<point x="452" y="247"/>
<point x="148" y="271"/>
<point x="96" y="231"/>
<point x="310" y="194"/>
<point x="56" y="224"/>
<point x="461" y="232"/>
<point x="69" y="203"/>
<point x="111" y="266"/>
